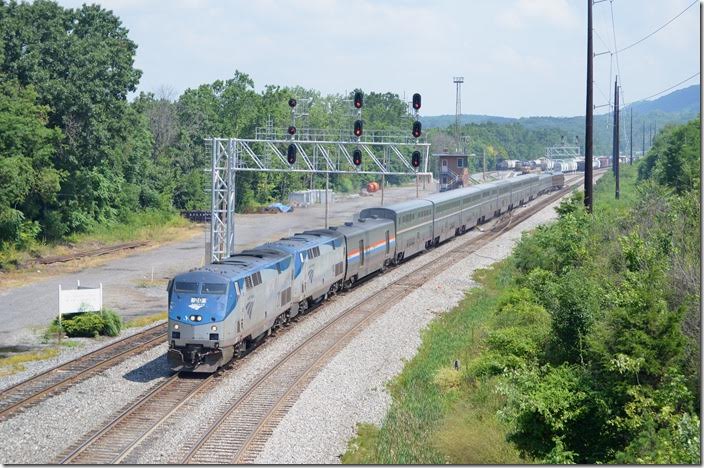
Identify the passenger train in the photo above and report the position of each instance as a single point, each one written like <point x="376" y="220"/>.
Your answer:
<point x="223" y="309"/>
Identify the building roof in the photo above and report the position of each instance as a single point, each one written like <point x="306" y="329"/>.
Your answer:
<point x="450" y="155"/>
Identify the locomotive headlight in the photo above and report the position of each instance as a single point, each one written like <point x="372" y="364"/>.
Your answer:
<point x="193" y="318"/>
<point x="214" y="328"/>
<point x="176" y="327"/>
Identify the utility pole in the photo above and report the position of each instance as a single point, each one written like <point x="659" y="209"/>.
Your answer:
<point x="643" y="155"/>
<point x="589" y="124"/>
<point x="616" y="137"/>
<point x="631" y="145"/>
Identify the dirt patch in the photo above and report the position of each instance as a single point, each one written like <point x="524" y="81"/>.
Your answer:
<point x="36" y="272"/>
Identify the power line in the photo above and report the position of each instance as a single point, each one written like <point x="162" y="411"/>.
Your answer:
<point x="668" y="89"/>
<point x="613" y="29"/>
<point x="661" y="27"/>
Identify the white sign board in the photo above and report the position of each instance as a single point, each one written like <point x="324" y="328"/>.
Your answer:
<point x="80" y="300"/>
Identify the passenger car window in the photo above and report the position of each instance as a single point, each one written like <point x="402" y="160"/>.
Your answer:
<point x="214" y="288"/>
<point x="187" y="287"/>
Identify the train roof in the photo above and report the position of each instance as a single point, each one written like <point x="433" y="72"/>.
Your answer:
<point x="236" y="266"/>
<point x="444" y="196"/>
<point x="301" y="241"/>
<point x="361" y="225"/>
<point x="400" y="207"/>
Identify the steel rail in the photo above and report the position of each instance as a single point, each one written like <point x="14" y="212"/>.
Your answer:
<point x="242" y="430"/>
<point x="61" y="377"/>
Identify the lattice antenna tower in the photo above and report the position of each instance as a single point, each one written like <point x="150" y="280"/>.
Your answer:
<point x="458" y="80"/>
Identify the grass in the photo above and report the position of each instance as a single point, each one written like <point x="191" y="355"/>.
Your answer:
<point x="146" y="320"/>
<point x="438" y="415"/>
<point x="71" y="343"/>
<point x="16" y="363"/>
<point x="148" y="283"/>
<point x="433" y="418"/>
<point x="157" y="228"/>
<point x="146" y="225"/>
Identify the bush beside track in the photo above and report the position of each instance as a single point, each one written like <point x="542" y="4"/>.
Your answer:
<point x="88" y="324"/>
<point x="578" y="348"/>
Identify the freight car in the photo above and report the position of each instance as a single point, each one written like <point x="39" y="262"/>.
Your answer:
<point x="223" y="309"/>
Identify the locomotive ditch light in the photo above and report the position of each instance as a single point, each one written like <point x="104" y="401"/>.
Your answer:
<point x="358" y="99"/>
<point x="291" y="130"/>
<point x="357" y="157"/>
<point x="358" y="128"/>
<point x="292" y="103"/>
<point x="176" y="327"/>
<point x="291" y="153"/>
<point x="415" y="159"/>
<point x="416" y="101"/>
<point x="214" y="328"/>
<point x="416" y="129"/>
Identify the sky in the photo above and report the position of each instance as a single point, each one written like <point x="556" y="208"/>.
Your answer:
<point x="518" y="58"/>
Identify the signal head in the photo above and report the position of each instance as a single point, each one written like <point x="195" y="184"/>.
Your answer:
<point x="357" y="157"/>
<point x="416" y="101"/>
<point x="416" y="129"/>
<point x="415" y="159"/>
<point x="291" y="153"/>
<point x="358" y="99"/>
<point x="292" y="103"/>
<point x="291" y="130"/>
<point x="357" y="128"/>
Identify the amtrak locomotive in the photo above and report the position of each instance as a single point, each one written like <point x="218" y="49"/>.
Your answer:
<point x="219" y="311"/>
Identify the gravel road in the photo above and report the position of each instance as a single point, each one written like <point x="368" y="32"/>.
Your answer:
<point x="347" y="391"/>
<point x="28" y="309"/>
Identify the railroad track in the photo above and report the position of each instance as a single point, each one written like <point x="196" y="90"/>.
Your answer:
<point x="239" y="433"/>
<point x="86" y="253"/>
<point x="114" y="442"/>
<point x="58" y="379"/>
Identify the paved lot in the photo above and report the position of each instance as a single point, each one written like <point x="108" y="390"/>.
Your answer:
<point x="26" y="310"/>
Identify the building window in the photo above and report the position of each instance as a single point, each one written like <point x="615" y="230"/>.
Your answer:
<point x="444" y="162"/>
<point x="460" y="162"/>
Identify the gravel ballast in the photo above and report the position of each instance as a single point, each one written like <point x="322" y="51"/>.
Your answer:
<point x="86" y="345"/>
<point x="40" y="434"/>
<point x="351" y="388"/>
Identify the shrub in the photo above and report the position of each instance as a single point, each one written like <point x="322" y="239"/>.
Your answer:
<point x="89" y="324"/>
<point x="113" y="323"/>
<point x="86" y="324"/>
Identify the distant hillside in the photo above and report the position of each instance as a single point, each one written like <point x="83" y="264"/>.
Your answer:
<point x="685" y="100"/>
<point x="674" y="108"/>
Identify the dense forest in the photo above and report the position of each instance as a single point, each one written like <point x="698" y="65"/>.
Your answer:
<point x="582" y="347"/>
<point x="80" y="149"/>
<point x="75" y="152"/>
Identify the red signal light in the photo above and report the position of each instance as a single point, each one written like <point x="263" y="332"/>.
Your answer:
<point x="291" y="130"/>
<point x="357" y="157"/>
<point x="291" y="153"/>
<point x="416" y="129"/>
<point x="358" y="99"/>
<point x="357" y="128"/>
<point x="415" y="159"/>
<point x="416" y="101"/>
<point x="292" y="103"/>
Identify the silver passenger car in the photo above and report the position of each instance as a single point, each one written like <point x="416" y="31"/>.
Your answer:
<point x="413" y="221"/>
<point x="370" y="246"/>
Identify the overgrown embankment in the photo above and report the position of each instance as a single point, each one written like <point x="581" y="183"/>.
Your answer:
<point x="582" y="347"/>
